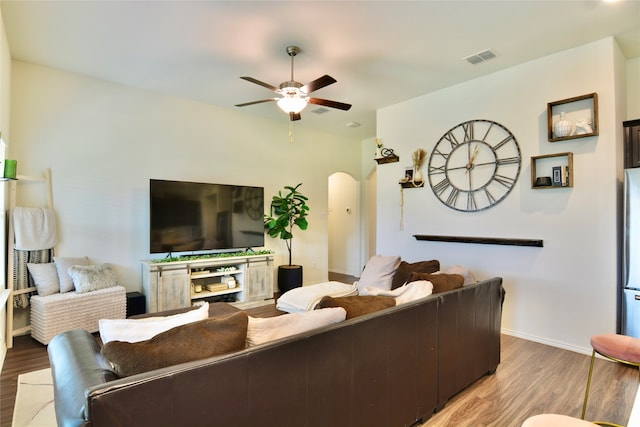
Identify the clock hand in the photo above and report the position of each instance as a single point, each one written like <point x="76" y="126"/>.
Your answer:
<point x="475" y="153"/>
<point x="472" y="159"/>
<point x="467" y="166"/>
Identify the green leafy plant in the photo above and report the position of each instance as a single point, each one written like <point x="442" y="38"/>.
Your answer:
<point x="287" y="211"/>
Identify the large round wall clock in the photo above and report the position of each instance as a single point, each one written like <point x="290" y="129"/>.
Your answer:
<point x="474" y="166"/>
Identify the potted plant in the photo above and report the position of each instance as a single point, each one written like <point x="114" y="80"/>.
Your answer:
<point x="286" y="212"/>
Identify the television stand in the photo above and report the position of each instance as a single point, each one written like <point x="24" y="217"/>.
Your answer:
<point x="182" y="283"/>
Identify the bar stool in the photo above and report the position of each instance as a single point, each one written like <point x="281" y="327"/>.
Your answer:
<point x="555" y="420"/>
<point x="619" y="348"/>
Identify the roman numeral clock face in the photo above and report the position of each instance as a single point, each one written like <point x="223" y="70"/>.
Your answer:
<point x="474" y="165"/>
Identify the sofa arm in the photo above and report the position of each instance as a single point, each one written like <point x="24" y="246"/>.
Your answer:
<point x="76" y="364"/>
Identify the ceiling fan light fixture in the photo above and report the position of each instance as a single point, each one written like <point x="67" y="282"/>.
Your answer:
<point x="292" y="104"/>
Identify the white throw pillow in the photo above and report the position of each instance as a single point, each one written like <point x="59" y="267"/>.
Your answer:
<point x="136" y="330"/>
<point x="379" y="271"/>
<point x="305" y="298"/>
<point x="87" y="278"/>
<point x="262" y="330"/>
<point x="469" y="278"/>
<point x="62" y="265"/>
<point x="45" y="278"/>
<point x="406" y="293"/>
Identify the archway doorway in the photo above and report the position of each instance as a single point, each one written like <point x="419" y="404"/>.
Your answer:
<point x="344" y="225"/>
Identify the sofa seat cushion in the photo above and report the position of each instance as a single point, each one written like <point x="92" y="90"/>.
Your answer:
<point x="186" y="343"/>
<point x="405" y="269"/>
<point x="305" y="298"/>
<point x="358" y="305"/>
<point x="441" y="282"/>
<point x="263" y="330"/>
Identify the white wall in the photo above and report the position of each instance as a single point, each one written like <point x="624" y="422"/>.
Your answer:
<point x="103" y="142"/>
<point x="566" y="291"/>
<point x="633" y="89"/>
<point x="5" y="97"/>
<point x="344" y="224"/>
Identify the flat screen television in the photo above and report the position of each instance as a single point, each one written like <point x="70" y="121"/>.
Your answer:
<point x="194" y="216"/>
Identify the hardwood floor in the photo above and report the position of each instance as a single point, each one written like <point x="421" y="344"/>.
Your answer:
<point x="26" y="355"/>
<point x="532" y="378"/>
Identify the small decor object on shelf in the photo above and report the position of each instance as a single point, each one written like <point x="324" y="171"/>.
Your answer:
<point x="418" y="157"/>
<point x="379" y="146"/>
<point x="584" y="125"/>
<point x="384" y="155"/>
<point x="543" y="181"/>
<point x="563" y="127"/>
<point x="10" y="168"/>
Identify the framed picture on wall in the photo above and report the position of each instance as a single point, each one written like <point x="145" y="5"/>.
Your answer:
<point x="408" y="174"/>
<point x="556" y="176"/>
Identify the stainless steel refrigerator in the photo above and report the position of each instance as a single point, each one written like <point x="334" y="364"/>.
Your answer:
<point x="630" y="319"/>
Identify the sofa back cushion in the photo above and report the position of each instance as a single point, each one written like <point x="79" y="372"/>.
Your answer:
<point x="378" y="272"/>
<point x="358" y="305"/>
<point x="194" y="341"/>
<point x="405" y="269"/>
<point x="262" y="330"/>
<point x="441" y="282"/>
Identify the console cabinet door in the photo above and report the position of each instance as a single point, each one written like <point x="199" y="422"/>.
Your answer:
<point x="259" y="281"/>
<point x="174" y="289"/>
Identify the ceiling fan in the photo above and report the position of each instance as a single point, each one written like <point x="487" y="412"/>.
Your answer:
<point x="295" y="95"/>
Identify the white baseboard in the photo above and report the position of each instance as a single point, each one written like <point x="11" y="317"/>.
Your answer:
<point x="552" y="343"/>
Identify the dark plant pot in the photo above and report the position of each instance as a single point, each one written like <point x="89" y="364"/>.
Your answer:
<point x="289" y="277"/>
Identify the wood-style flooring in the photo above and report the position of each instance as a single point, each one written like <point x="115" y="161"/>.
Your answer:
<point x="532" y="378"/>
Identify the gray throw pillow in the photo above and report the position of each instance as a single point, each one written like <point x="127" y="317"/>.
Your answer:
<point x="45" y="278"/>
<point x="62" y="265"/>
<point x="87" y="278"/>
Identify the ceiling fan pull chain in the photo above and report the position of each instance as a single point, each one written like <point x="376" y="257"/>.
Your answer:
<point x="291" y="132"/>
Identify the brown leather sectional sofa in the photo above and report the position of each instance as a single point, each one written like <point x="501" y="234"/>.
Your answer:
<point x="390" y="368"/>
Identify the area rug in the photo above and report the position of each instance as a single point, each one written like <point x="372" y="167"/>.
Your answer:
<point x="34" y="400"/>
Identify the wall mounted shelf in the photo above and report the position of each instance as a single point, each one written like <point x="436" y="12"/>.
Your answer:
<point x="578" y="110"/>
<point x="411" y="184"/>
<point x="545" y="166"/>
<point x="481" y="240"/>
<point x="390" y="159"/>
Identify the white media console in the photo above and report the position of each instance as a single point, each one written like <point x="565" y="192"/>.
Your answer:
<point x="179" y="284"/>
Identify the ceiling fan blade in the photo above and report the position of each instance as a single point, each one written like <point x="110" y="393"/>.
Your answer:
<point x="257" y="102"/>
<point x="318" y="83"/>
<point x="258" y="82"/>
<point x="294" y="116"/>
<point x="328" y="103"/>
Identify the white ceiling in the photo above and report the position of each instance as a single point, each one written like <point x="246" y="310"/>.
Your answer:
<point x="380" y="52"/>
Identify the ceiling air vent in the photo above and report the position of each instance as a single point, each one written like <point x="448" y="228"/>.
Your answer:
<point x="479" y="57"/>
<point x="320" y="110"/>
